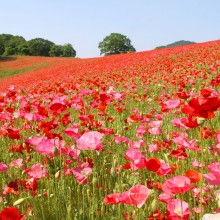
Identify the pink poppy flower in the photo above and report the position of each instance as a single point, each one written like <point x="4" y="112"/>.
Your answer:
<point x="141" y="130"/>
<point x="189" y="144"/>
<point x="155" y="131"/>
<point x="153" y="148"/>
<point x="121" y="139"/>
<point x="16" y="163"/>
<point x="90" y="141"/>
<point x="5" y="116"/>
<point x="72" y="132"/>
<point x="137" y="144"/>
<point x="177" y="184"/>
<point x="155" y="124"/>
<point x="198" y="210"/>
<point x="177" y="210"/>
<point x="138" y="194"/>
<point x="46" y="146"/>
<point x="213" y="177"/>
<point x="179" y="123"/>
<point x="196" y="164"/>
<point x="133" y="154"/>
<point x="165" y="169"/>
<point x="165" y="197"/>
<point x="3" y="167"/>
<point x="82" y="172"/>
<point x="37" y="171"/>
<point x="171" y="104"/>
<point x="138" y="163"/>
<point x="33" y="117"/>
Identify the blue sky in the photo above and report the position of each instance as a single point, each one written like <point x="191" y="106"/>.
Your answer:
<point x="84" y="23"/>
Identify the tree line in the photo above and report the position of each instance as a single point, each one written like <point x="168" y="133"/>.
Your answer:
<point x="17" y="45"/>
<point x="115" y="43"/>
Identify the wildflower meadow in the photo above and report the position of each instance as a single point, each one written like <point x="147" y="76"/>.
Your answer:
<point x="130" y="136"/>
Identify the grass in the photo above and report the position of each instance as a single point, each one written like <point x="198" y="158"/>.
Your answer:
<point x="4" y="73"/>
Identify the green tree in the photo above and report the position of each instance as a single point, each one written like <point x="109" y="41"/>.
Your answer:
<point x="2" y="48"/>
<point x="23" y="49"/>
<point x="15" y="43"/>
<point x="9" y="51"/>
<point x="56" y="51"/>
<point x="68" y="50"/>
<point x="4" y="39"/>
<point x="115" y="43"/>
<point x="39" y="47"/>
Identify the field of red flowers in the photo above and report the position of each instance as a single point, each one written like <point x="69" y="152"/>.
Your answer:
<point x="132" y="136"/>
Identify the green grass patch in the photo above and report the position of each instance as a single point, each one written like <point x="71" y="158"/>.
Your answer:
<point x="4" y="73"/>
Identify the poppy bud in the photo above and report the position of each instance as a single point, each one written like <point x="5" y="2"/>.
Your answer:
<point x="113" y="172"/>
<point x="55" y="151"/>
<point x="94" y="180"/>
<point x="200" y="121"/>
<point x="57" y="174"/>
<point x="18" y="202"/>
<point x="153" y="205"/>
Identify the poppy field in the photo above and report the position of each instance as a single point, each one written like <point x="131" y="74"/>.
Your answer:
<point x="130" y="136"/>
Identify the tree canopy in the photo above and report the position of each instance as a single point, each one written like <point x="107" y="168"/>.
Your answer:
<point x="40" y="47"/>
<point x="17" y="45"/>
<point x="115" y="43"/>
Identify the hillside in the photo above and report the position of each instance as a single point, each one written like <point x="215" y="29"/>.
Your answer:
<point x="177" y="43"/>
<point x="130" y="136"/>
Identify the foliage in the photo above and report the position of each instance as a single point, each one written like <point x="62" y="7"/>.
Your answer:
<point x="115" y="43"/>
<point x="17" y="45"/>
<point x="68" y="51"/>
<point x="39" y="47"/>
<point x="56" y="51"/>
<point x="10" y="44"/>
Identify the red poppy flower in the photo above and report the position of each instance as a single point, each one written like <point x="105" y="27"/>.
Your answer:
<point x="10" y="213"/>
<point x="202" y="107"/>
<point x="153" y="164"/>
<point x="193" y="175"/>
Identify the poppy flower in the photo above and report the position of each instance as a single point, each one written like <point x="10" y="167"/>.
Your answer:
<point x="10" y="213"/>
<point x="193" y="175"/>
<point x="153" y="164"/>
<point x="138" y="194"/>
<point x="3" y="167"/>
<point x="90" y="141"/>
<point x="213" y="177"/>
<point x="176" y="185"/>
<point x="177" y="210"/>
<point x="202" y="107"/>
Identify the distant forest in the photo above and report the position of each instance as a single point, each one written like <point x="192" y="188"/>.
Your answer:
<point x="177" y="43"/>
<point x="17" y="45"/>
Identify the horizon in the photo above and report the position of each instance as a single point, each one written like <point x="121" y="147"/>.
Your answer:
<point x="147" y="24"/>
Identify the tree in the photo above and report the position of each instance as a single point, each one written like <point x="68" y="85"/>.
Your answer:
<point x="68" y="50"/>
<point x="56" y="51"/>
<point x="2" y="48"/>
<point x="4" y="39"/>
<point x="39" y="47"/>
<point x="115" y="44"/>
<point x="23" y="49"/>
<point x="15" y="43"/>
